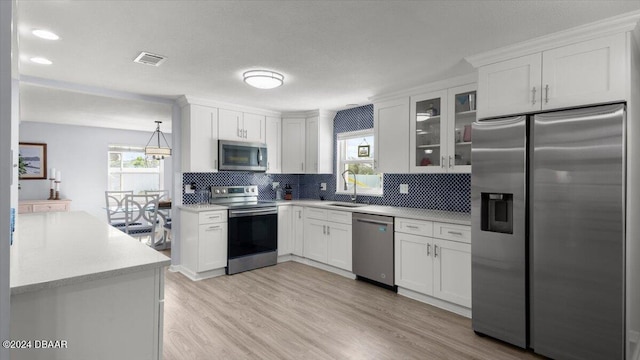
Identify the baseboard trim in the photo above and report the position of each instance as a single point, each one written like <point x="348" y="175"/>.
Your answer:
<point x="457" y="309"/>
<point x="175" y="268"/>
<point x="201" y="275"/>
<point x="325" y="267"/>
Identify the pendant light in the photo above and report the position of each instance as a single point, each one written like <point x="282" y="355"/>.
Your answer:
<point x="157" y="152"/>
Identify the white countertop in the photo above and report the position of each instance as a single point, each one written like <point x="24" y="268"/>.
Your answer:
<point x="409" y="213"/>
<point x="61" y="248"/>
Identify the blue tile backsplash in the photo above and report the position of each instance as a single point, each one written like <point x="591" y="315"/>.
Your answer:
<point x="450" y="192"/>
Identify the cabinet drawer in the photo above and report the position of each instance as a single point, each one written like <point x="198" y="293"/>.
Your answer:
<point x="343" y="217"/>
<point x="315" y="213"/>
<point x="211" y="217"/>
<point x="416" y="227"/>
<point x="24" y="209"/>
<point x="453" y="232"/>
<point x="49" y="207"/>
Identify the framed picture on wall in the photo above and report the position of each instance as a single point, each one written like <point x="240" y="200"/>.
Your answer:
<point x="33" y="161"/>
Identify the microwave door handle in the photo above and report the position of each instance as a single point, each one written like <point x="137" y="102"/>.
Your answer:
<point x="259" y="157"/>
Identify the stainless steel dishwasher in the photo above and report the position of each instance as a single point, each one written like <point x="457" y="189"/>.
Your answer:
<point x="373" y="249"/>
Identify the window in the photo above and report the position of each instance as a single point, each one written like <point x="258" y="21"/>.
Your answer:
<point x="355" y="153"/>
<point x="129" y="169"/>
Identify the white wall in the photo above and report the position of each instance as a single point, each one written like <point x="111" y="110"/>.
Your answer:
<point x="80" y="153"/>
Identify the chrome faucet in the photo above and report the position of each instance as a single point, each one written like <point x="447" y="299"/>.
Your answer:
<point x="355" y="195"/>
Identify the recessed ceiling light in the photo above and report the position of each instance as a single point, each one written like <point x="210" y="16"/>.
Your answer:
<point x="45" y="34"/>
<point x="263" y="79"/>
<point x="41" y="61"/>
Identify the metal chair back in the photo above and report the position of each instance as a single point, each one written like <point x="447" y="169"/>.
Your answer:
<point x="141" y="216"/>
<point x="115" y="206"/>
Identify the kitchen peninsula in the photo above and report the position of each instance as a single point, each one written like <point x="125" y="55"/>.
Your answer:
<point x="70" y="272"/>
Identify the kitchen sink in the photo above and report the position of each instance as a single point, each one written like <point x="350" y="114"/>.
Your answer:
<point x="347" y="205"/>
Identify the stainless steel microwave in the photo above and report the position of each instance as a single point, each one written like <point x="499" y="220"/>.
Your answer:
<point x="242" y="156"/>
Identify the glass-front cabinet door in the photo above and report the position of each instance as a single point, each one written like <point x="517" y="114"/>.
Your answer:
<point x="462" y="109"/>
<point x="428" y="139"/>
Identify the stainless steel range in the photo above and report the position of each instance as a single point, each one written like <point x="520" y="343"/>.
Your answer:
<point x="253" y="227"/>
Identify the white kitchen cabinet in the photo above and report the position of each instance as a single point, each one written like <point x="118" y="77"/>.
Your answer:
<point x="413" y="262"/>
<point x="328" y="237"/>
<point x="203" y="238"/>
<point x="298" y="230"/>
<point x="199" y="145"/>
<point x="239" y="126"/>
<point x="274" y="145"/>
<point x="587" y="72"/>
<point x="307" y="143"/>
<point x="452" y="271"/>
<point x="391" y="139"/>
<point x="315" y="240"/>
<point x="440" y="129"/>
<point x="427" y="261"/>
<point x="339" y="245"/>
<point x="285" y="230"/>
<point x="293" y="145"/>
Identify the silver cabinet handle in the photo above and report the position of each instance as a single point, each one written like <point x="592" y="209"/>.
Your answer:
<point x="302" y="166"/>
<point x="215" y="164"/>
<point x="211" y="228"/>
<point x="245" y="134"/>
<point x="411" y="227"/>
<point x="324" y="230"/>
<point x="450" y="161"/>
<point x="428" y="249"/>
<point x="533" y="96"/>
<point x="546" y="94"/>
<point x="267" y="165"/>
<point x="328" y="230"/>
<point x="455" y="233"/>
<point x="299" y="214"/>
<point x="435" y="251"/>
<point x="442" y="162"/>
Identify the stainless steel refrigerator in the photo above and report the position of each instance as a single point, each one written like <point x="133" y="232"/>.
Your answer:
<point x="548" y="254"/>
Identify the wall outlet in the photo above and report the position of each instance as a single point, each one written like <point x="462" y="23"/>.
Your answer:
<point x="404" y="188"/>
<point x="323" y="186"/>
<point x="189" y="188"/>
<point x="274" y="185"/>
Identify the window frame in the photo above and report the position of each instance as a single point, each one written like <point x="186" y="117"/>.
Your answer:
<point x="132" y="171"/>
<point x="341" y="161"/>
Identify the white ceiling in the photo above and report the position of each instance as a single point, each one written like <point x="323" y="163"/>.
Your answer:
<point x="332" y="53"/>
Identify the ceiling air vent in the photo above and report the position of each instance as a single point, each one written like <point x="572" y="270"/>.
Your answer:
<point x="149" y="59"/>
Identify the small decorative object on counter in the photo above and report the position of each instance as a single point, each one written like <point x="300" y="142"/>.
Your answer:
<point x="278" y="192"/>
<point x="288" y="192"/>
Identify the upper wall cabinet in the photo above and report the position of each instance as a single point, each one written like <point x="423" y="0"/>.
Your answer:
<point x="587" y="72"/>
<point x="391" y="136"/>
<point x="239" y="126"/>
<point x="199" y="145"/>
<point x="274" y="145"/>
<point x="440" y="130"/>
<point x="307" y="143"/>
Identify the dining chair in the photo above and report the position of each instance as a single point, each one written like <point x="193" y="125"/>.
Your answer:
<point x="141" y="216"/>
<point x="115" y="207"/>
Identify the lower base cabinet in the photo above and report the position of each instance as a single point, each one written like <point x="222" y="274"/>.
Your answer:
<point x="328" y="237"/>
<point x="436" y="267"/>
<point x="290" y="230"/>
<point x="203" y="238"/>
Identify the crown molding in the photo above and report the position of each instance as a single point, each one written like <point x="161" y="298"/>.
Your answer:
<point x="310" y="113"/>
<point x="432" y="86"/>
<point x="610" y="26"/>
<point x="188" y="99"/>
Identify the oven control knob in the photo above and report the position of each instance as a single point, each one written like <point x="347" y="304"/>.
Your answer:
<point x="252" y="190"/>
<point x="224" y="191"/>
<point x="217" y="191"/>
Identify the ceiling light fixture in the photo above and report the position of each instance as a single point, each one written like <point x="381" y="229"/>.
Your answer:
<point x="263" y="79"/>
<point x="157" y="152"/>
<point x="41" y="61"/>
<point x="45" y="34"/>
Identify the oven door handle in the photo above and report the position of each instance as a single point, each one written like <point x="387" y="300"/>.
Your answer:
<point x="240" y="213"/>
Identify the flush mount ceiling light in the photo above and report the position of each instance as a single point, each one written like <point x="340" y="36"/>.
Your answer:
<point x="41" y="61"/>
<point x="45" y="34"/>
<point x="263" y="79"/>
<point x="157" y="152"/>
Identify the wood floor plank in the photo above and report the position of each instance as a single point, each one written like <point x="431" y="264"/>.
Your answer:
<point x="294" y="311"/>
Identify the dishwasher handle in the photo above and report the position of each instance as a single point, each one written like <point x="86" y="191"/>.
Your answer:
<point x="374" y="222"/>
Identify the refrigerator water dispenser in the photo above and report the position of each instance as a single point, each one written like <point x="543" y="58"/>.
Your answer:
<point x="497" y="213"/>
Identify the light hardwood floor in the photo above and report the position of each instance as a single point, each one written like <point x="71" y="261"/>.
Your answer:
<point x="294" y="311"/>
